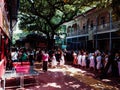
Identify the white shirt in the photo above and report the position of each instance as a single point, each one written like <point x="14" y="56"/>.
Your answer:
<point x="14" y="55"/>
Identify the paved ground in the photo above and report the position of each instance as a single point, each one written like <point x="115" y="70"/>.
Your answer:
<point x="66" y="78"/>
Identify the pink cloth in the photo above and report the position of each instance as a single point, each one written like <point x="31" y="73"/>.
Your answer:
<point x="23" y="69"/>
<point x="45" y="57"/>
<point x="19" y="63"/>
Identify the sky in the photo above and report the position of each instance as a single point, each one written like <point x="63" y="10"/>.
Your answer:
<point x="16" y="29"/>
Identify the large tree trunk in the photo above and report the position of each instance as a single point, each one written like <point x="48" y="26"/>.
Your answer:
<point x="51" y="42"/>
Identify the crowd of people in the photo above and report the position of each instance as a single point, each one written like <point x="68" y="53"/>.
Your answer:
<point x="102" y="62"/>
<point x="52" y="58"/>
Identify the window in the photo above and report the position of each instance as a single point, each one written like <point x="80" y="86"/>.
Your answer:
<point x="75" y="27"/>
<point x="68" y="29"/>
<point x="103" y="21"/>
<point x="91" y="25"/>
<point x="88" y="23"/>
<point x="83" y="26"/>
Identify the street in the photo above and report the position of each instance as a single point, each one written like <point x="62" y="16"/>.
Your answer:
<point x="68" y="78"/>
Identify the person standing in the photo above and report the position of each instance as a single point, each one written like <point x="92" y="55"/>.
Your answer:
<point x="79" y="58"/>
<point x="62" y="59"/>
<point x="14" y="55"/>
<point x="31" y="57"/>
<point x="53" y="61"/>
<point x="118" y="61"/>
<point x="22" y="56"/>
<point x="84" y="60"/>
<point x="115" y="69"/>
<point x="58" y="55"/>
<point x="45" y="58"/>
<point x="74" y="55"/>
<point x="92" y="63"/>
<point x="106" y="60"/>
<point x="99" y="60"/>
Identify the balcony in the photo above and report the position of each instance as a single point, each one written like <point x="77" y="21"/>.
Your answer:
<point x="99" y="29"/>
<point x="106" y="27"/>
<point x="77" y="32"/>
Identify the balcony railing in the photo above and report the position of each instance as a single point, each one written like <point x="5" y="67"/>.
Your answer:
<point x="106" y="27"/>
<point x="96" y="29"/>
<point x="77" y="32"/>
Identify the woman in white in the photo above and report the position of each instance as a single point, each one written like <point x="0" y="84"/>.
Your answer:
<point x="84" y="60"/>
<point x="14" y="55"/>
<point x="99" y="59"/>
<point x="92" y="62"/>
<point x="79" y="58"/>
<point x="62" y="59"/>
<point x="54" y="62"/>
<point x="106" y="60"/>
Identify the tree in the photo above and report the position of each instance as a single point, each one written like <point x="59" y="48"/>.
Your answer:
<point x="47" y="16"/>
<point x="116" y="7"/>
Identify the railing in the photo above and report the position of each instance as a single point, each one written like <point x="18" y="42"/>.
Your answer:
<point x="95" y="29"/>
<point x="77" y="32"/>
<point x="106" y="27"/>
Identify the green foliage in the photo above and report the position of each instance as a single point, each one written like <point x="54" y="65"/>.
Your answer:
<point x="47" y="16"/>
<point x="56" y="19"/>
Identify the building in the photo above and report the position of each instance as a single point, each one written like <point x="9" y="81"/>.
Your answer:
<point x="94" y="29"/>
<point x="8" y="17"/>
<point x="32" y="40"/>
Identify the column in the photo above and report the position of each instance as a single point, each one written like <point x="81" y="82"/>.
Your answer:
<point x="110" y="38"/>
<point x="96" y="37"/>
<point x="86" y="32"/>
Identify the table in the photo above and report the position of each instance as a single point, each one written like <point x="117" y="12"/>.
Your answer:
<point x="21" y="75"/>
